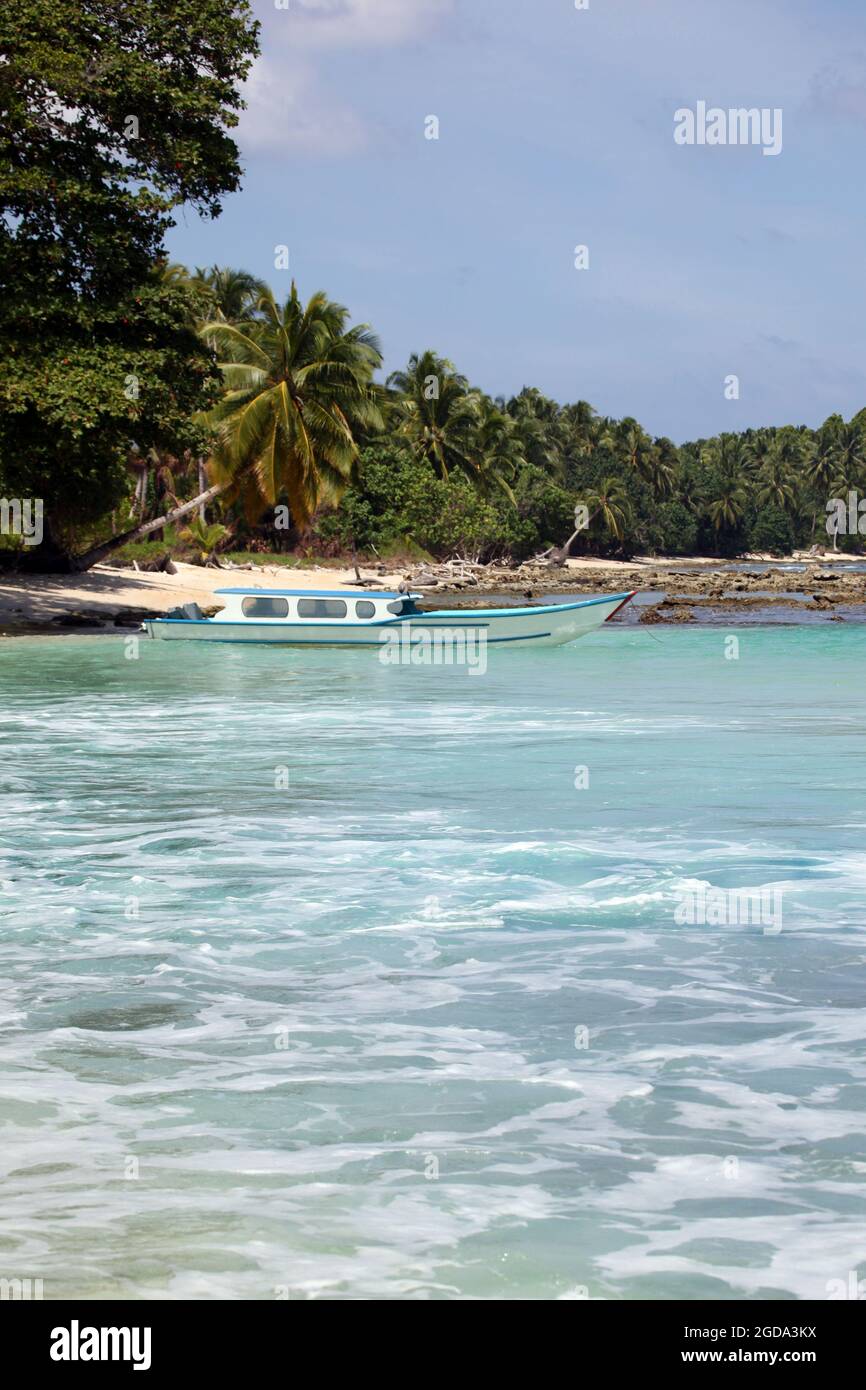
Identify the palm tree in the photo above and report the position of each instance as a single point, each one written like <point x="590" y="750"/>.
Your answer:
<point x="727" y="507"/>
<point x="609" y="505"/>
<point x="299" y="389"/>
<point x="824" y="464"/>
<point x="206" y="539"/>
<point x="628" y="441"/>
<point x="777" y="483"/>
<point x="756" y="446"/>
<point x="499" y="445"/>
<point x="851" y="456"/>
<point x="725" y="455"/>
<point x="530" y="402"/>
<point x="849" y="462"/>
<point x="202" y="297"/>
<point x="536" y="420"/>
<point x="580" y="415"/>
<point x="661" y="467"/>
<point x="233" y="294"/>
<point x="437" y="413"/>
<point x="579" y="431"/>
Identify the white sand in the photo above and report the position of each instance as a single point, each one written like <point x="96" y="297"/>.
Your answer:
<point x="35" y="597"/>
<point x="640" y="562"/>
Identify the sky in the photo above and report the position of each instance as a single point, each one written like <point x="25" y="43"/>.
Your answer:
<point x="556" y="130"/>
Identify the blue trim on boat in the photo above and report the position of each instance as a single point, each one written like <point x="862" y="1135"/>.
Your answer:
<point x="538" y="608"/>
<point x="336" y="623"/>
<point x="319" y="593"/>
<point x="320" y="642"/>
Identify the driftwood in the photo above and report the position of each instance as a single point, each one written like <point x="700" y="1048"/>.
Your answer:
<point x="363" y="583"/>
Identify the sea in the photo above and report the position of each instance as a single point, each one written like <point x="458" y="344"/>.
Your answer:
<point x="321" y="978"/>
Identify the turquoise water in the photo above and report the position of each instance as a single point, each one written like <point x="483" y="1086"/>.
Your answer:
<point x="323" y="978"/>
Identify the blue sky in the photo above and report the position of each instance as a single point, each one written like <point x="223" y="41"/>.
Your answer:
<point x="556" y="129"/>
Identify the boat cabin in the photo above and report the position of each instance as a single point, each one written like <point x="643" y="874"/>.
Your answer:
<point x="314" y="605"/>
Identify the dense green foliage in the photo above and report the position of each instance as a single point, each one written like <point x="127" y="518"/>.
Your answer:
<point x="111" y="114"/>
<point x="762" y="491"/>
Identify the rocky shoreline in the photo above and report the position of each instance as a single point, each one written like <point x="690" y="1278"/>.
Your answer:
<point x="685" y="593"/>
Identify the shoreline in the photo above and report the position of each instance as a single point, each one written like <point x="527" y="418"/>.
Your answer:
<point x="678" y="590"/>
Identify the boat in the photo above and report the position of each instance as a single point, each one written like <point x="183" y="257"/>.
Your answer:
<point x="386" y="619"/>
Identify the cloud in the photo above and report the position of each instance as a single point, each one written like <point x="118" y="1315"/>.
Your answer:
<point x="289" y="106"/>
<point x="287" y="111"/>
<point x="325" y="23"/>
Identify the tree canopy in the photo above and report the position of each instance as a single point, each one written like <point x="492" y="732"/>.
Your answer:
<point x="102" y="134"/>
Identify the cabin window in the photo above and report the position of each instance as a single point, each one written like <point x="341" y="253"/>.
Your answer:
<point x="322" y="608"/>
<point x="364" y="608"/>
<point x="265" y="608"/>
<point x="402" y="605"/>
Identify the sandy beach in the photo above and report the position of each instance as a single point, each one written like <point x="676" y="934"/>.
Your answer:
<point x="106" y="592"/>
<point x="109" y="596"/>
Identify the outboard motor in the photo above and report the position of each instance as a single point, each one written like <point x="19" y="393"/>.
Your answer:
<point x="188" y="611"/>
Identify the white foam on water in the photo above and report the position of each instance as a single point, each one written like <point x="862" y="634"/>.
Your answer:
<point x="430" y="951"/>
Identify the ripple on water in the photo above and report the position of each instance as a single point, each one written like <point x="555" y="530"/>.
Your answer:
<point x="337" y="979"/>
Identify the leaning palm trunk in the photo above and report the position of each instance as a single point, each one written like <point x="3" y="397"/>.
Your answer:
<point x="99" y="552"/>
<point x="202" y="487"/>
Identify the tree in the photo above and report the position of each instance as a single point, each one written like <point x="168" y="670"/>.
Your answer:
<point x="725" y="459"/>
<point x="499" y="446"/>
<point x="777" y="481"/>
<point x="754" y="450"/>
<point x="76" y="403"/>
<point x="850" y="458"/>
<point x="673" y="529"/>
<point x="848" y="461"/>
<point x="111" y="115"/>
<point x="206" y="539"/>
<point x="232" y="294"/>
<point x="436" y="412"/>
<point x="824" y="464"/>
<point x="631" y="444"/>
<point x="539" y="428"/>
<point x="771" y="531"/>
<point x="660" y="469"/>
<point x="609" y="508"/>
<point x="299" y="386"/>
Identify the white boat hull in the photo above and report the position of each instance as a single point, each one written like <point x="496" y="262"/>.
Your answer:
<point x="547" y="625"/>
